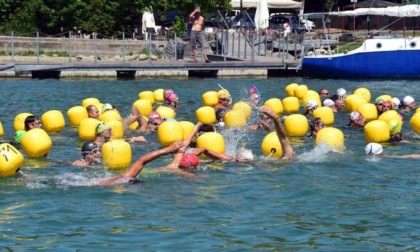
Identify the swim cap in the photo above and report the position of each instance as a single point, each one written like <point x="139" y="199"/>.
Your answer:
<point x="396" y="101"/>
<point x="154" y="115"/>
<point x="408" y="99"/>
<point x="387" y="103"/>
<point x="328" y="103"/>
<point x="88" y="147"/>
<point x="245" y="154"/>
<point x="189" y="161"/>
<point x="354" y="116"/>
<point x="171" y="97"/>
<point x="311" y="104"/>
<point x="378" y="101"/>
<point x="18" y="135"/>
<point x="167" y="92"/>
<point x="373" y="149"/>
<point x="170" y="120"/>
<point x="106" y="107"/>
<point x="394" y="127"/>
<point x="341" y="92"/>
<point x="102" y="127"/>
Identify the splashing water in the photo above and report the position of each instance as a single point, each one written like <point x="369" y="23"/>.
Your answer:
<point x="319" y="154"/>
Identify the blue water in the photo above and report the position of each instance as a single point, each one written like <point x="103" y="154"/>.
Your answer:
<point x="322" y="201"/>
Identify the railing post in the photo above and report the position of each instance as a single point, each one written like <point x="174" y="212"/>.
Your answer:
<point x="233" y="44"/>
<point x="13" y="48"/>
<point x="37" y="48"/>
<point x="123" y="38"/>
<point x="245" y="37"/>
<point x="96" y="48"/>
<point x="175" y="44"/>
<point x="253" y="48"/>
<point x="70" y="46"/>
<point x="239" y="43"/>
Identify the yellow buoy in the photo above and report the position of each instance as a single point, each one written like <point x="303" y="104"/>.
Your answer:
<point x="271" y="146"/>
<point x="326" y="114"/>
<point x="110" y="115"/>
<point x="296" y="125"/>
<point x="291" y="104"/>
<point x="363" y="92"/>
<point x="415" y="122"/>
<point x="244" y="107"/>
<point x="166" y="112"/>
<point x="275" y="104"/>
<point x="300" y="91"/>
<point x="205" y="115"/>
<point x="158" y="93"/>
<point x="348" y="101"/>
<point x="355" y="103"/>
<point x="116" y="154"/>
<point x="234" y="118"/>
<point x="389" y="116"/>
<point x="76" y="114"/>
<point x="91" y="101"/>
<point x="332" y="137"/>
<point x="170" y="132"/>
<point x="187" y="128"/>
<point x="213" y="141"/>
<point x="117" y="129"/>
<point x="36" y="143"/>
<point x="376" y="131"/>
<point x="210" y="98"/>
<point x="19" y="121"/>
<point x="311" y="95"/>
<point x="144" y="106"/>
<point x="1" y="130"/>
<point x="148" y="95"/>
<point x="10" y="160"/>
<point x="290" y="89"/>
<point x="369" y="111"/>
<point x="87" y="129"/>
<point x="53" y="121"/>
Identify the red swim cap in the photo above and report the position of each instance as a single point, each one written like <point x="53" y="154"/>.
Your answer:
<point x="189" y="161"/>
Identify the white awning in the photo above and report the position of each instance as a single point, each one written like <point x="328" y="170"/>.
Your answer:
<point x="412" y="10"/>
<point x="274" y="4"/>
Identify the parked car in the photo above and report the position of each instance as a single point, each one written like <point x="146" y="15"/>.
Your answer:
<point x="278" y="21"/>
<point x="216" y="20"/>
<point x="248" y="18"/>
<point x="167" y="19"/>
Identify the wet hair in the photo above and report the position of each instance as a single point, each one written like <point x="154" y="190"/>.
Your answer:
<point x="90" y="107"/>
<point x="28" y="120"/>
<point x="206" y="128"/>
<point x="315" y="122"/>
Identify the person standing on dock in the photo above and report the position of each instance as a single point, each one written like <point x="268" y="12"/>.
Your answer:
<point x="196" y="33"/>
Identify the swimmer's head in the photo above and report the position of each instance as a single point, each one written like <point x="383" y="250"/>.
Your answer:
<point x="189" y="161"/>
<point x="244" y="154"/>
<point x="101" y="127"/>
<point x="373" y="149"/>
<point x="18" y="135"/>
<point x="89" y="148"/>
<point x="106" y="107"/>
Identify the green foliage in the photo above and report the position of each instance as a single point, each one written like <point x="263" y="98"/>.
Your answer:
<point x="26" y="53"/>
<point x="180" y="26"/>
<point x="59" y="54"/>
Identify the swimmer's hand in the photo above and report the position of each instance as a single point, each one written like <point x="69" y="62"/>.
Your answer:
<point x="138" y="139"/>
<point x="198" y="151"/>
<point x="269" y="112"/>
<point x="175" y="146"/>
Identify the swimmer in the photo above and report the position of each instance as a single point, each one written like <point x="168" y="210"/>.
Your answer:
<point x="288" y="152"/>
<point x="396" y="102"/>
<point x="32" y="122"/>
<point x="171" y="99"/>
<point x="382" y="105"/>
<point x="93" y="111"/>
<point x="340" y="104"/>
<point x="315" y="125"/>
<point x="408" y="103"/>
<point x="356" y="120"/>
<point x="91" y="155"/>
<point x="180" y="165"/>
<point x="376" y="149"/>
<point x="324" y="93"/>
<point x="243" y="155"/>
<point x="103" y="133"/>
<point x="153" y="123"/>
<point x="311" y="105"/>
<point x="331" y="104"/>
<point x="395" y="131"/>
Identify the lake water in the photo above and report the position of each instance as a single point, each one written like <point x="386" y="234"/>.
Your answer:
<point x="323" y="201"/>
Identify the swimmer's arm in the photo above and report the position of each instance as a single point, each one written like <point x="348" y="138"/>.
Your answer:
<point x="136" y="139"/>
<point x="137" y="167"/>
<point x="406" y="156"/>
<point x="213" y="154"/>
<point x="281" y="134"/>
<point x="135" y="114"/>
<point x="188" y="140"/>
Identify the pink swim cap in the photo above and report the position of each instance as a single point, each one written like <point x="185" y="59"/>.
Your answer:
<point x="189" y="161"/>
<point x="154" y="115"/>
<point x="170" y="97"/>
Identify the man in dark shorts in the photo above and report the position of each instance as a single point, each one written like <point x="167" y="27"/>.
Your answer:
<point x="196" y="33"/>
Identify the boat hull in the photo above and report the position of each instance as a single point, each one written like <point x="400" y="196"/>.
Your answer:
<point x="383" y="64"/>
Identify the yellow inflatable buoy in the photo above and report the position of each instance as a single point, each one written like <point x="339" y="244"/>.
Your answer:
<point x="10" y="160"/>
<point x="110" y="115"/>
<point x="376" y="131"/>
<point x="116" y="154"/>
<point x="326" y="114"/>
<point x="213" y="141"/>
<point x="53" y="121"/>
<point x="291" y="104"/>
<point x="290" y="89"/>
<point x="234" y="118"/>
<point x="389" y="116"/>
<point x="76" y="114"/>
<point x="271" y="146"/>
<point x="1" y="130"/>
<point x="158" y="93"/>
<point x="311" y="96"/>
<point x="19" y="121"/>
<point x="144" y="106"/>
<point x="332" y="137"/>
<point x="296" y="125"/>
<point x="170" y="132"/>
<point x="415" y="122"/>
<point x="147" y="95"/>
<point x="87" y="129"/>
<point x="210" y="98"/>
<point x="187" y="128"/>
<point x="36" y="143"/>
<point x="369" y="111"/>
<point x="117" y="129"/>
<point x="205" y="115"/>
<point x="244" y="107"/>
<point x="166" y="112"/>
<point x="300" y="91"/>
<point x="363" y="92"/>
<point x="91" y="101"/>
<point x="275" y="104"/>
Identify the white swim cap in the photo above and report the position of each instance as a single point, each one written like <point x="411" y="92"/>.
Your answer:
<point x="311" y="104"/>
<point x="396" y="101"/>
<point x="341" y="92"/>
<point x="328" y="102"/>
<point x="373" y="149"/>
<point x="354" y="116"/>
<point x="407" y="100"/>
<point x="245" y="154"/>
